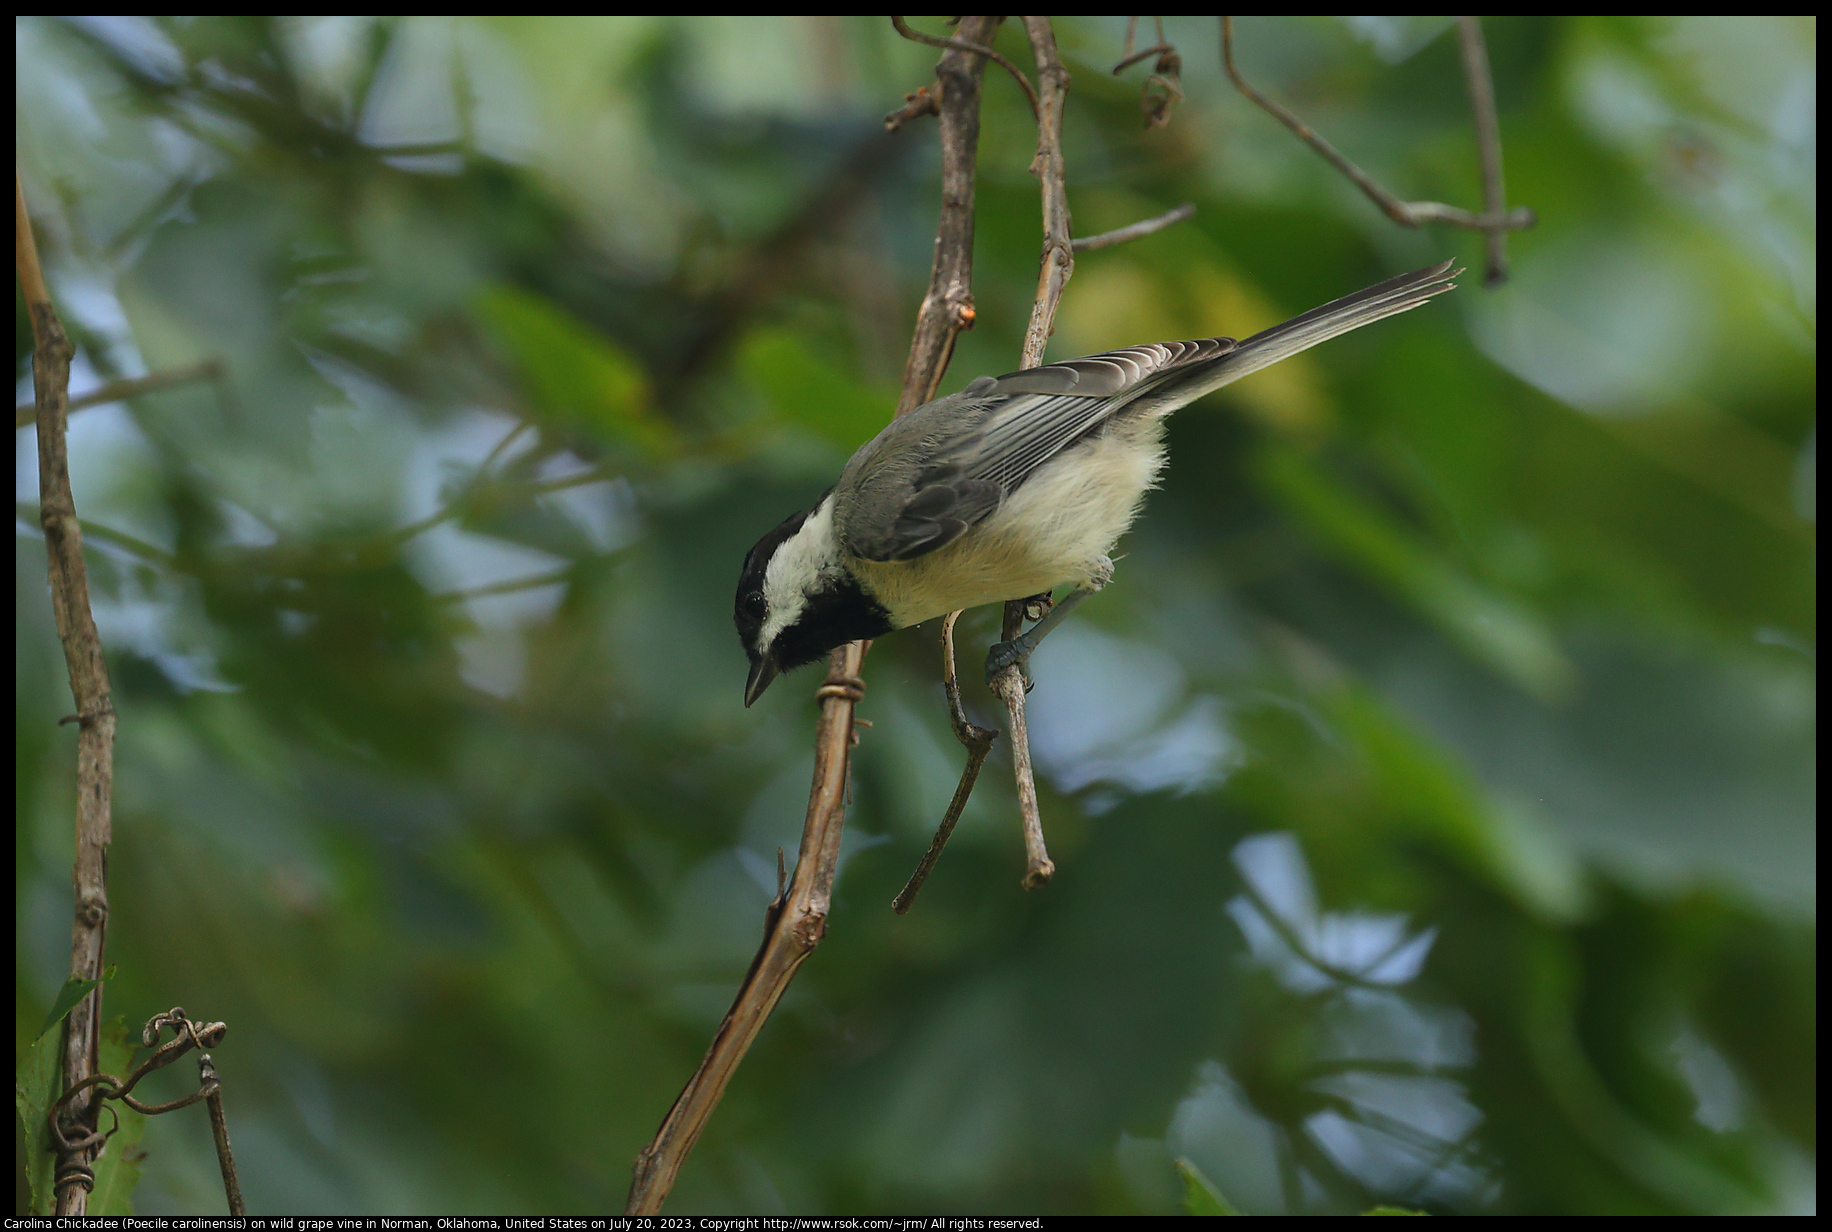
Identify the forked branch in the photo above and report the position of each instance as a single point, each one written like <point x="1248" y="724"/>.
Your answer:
<point x="1495" y="220"/>
<point x="797" y="918"/>
<point x="1057" y="264"/>
<point x="51" y="355"/>
<point x="119" y="391"/>
<point x="1134" y="231"/>
<point x="794" y="924"/>
<point x="976" y="48"/>
<point x="1055" y="267"/>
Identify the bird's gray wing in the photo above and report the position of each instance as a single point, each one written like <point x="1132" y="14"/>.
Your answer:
<point x="944" y="466"/>
<point x="936" y="471"/>
<point x="903" y="494"/>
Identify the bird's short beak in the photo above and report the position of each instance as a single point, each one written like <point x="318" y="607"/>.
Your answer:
<point x="762" y="672"/>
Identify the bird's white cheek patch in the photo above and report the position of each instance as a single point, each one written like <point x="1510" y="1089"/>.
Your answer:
<point x="804" y="563"/>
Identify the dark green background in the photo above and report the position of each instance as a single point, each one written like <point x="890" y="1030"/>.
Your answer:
<point x="1432" y="795"/>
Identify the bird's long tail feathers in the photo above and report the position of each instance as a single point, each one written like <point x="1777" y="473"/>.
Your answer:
<point x="1268" y="347"/>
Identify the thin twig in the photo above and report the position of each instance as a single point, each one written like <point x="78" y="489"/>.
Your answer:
<point x="1058" y="263"/>
<point x="187" y="1034"/>
<point x="478" y="485"/>
<point x="1009" y="686"/>
<point x="794" y="927"/>
<point x="119" y="391"/>
<point x="25" y="511"/>
<point x="219" y="1129"/>
<point x="151" y="553"/>
<point x="1138" y="230"/>
<point x="947" y="308"/>
<point x="1289" y="934"/>
<point x="1166" y="74"/>
<point x="1136" y="56"/>
<point x="978" y="741"/>
<point x="978" y="49"/>
<point x="796" y="920"/>
<point x="1405" y="213"/>
<point x="1481" y="85"/>
<point x="559" y="577"/>
<point x="918" y="103"/>
<point x="1132" y="29"/>
<point x="497" y="450"/>
<point x="51" y="355"/>
<point x="1058" y="249"/>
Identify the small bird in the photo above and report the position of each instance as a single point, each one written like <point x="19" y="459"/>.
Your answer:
<point x="1009" y="488"/>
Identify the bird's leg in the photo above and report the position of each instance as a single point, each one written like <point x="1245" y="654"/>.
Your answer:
<point x="1037" y="605"/>
<point x="1018" y="649"/>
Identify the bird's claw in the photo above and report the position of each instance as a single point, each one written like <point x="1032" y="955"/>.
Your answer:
<point x="1007" y="654"/>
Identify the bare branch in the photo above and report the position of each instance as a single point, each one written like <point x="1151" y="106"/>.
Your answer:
<point x="130" y="543"/>
<point x="25" y="511"/>
<point x="797" y="919"/>
<point x="1488" y="142"/>
<point x="794" y="926"/>
<point x="478" y="487"/>
<point x="919" y="103"/>
<point x="978" y="49"/>
<point x="947" y="308"/>
<point x="1058" y="249"/>
<point x="1405" y="213"/>
<point x="51" y="355"/>
<point x="558" y="577"/>
<point x="119" y="391"/>
<point x="1058" y="263"/>
<point x="978" y="741"/>
<point x="1166" y="75"/>
<point x="219" y="1129"/>
<point x="502" y="446"/>
<point x="1136" y="56"/>
<point x="1009" y="685"/>
<point x="1138" y="230"/>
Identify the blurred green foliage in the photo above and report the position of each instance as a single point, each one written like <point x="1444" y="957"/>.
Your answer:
<point x="1433" y="797"/>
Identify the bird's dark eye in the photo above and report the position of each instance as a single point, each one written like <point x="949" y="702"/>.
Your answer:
<point x="753" y="605"/>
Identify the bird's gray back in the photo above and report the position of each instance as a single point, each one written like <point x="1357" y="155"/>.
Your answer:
<point x="944" y="466"/>
<point x="936" y="471"/>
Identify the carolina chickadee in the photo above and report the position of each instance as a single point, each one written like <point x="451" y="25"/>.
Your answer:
<point x="1010" y="487"/>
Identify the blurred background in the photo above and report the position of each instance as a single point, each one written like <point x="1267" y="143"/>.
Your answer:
<point x="1432" y="796"/>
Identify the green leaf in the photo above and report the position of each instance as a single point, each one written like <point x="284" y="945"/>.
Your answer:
<point x="804" y="390"/>
<point x="1525" y="858"/>
<point x="1200" y="1197"/>
<point x="1491" y="627"/>
<point x="37" y="1084"/>
<point x="118" y="1170"/>
<point x="576" y="376"/>
<point x="73" y="991"/>
<point x="1393" y="1210"/>
<point x="37" y="1081"/>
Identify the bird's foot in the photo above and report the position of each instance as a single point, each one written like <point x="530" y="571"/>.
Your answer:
<point x="1008" y="654"/>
